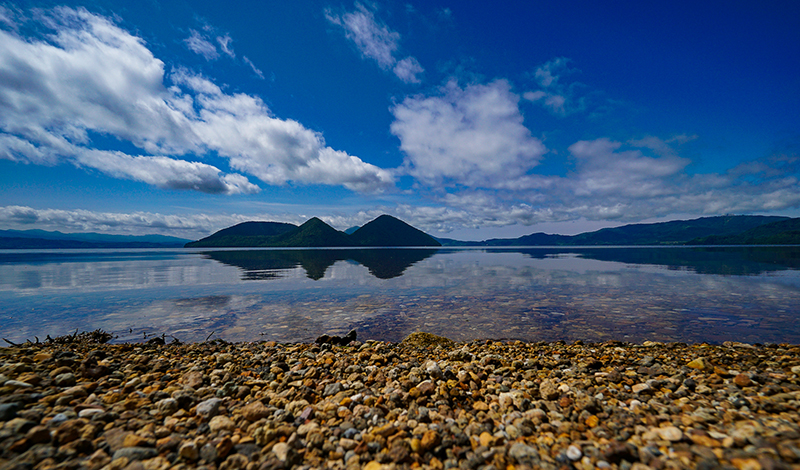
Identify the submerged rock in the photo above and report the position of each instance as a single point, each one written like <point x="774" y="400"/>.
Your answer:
<point x="337" y="340"/>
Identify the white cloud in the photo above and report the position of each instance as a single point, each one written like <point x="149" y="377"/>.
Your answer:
<point x="5" y="17"/>
<point x="241" y="128"/>
<point x="198" y="44"/>
<point x="94" y="78"/>
<point x="167" y="173"/>
<point x="650" y="187"/>
<point x="605" y="171"/>
<point x="376" y="41"/>
<point x="203" y="44"/>
<point x="253" y="67"/>
<point x="559" y="98"/>
<point x="473" y="136"/>
<point x="190" y="226"/>
<point x="200" y="225"/>
<point x="408" y="69"/>
<point x="612" y="181"/>
<point x="660" y="146"/>
<point x="225" y="45"/>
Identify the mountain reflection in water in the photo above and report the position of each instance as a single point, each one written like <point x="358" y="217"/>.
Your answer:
<point x="728" y="261"/>
<point x="391" y="263"/>
<point x="270" y="264"/>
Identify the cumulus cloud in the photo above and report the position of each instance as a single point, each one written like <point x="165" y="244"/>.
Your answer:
<point x="93" y="78"/>
<point x="241" y="128"/>
<point x="190" y="226"/>
<point x="606" y="171"/>
<point x="472" y="136"/>
<point x="647" y="186"/>
<point x="628" y="182"/>
<point x="376" y="41"/>
<point x="167" y="173"/>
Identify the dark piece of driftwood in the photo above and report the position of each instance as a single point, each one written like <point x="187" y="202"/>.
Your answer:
<point x="337" y="340"/>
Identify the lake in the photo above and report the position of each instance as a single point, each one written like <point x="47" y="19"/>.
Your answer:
<point x="707" y="294"/>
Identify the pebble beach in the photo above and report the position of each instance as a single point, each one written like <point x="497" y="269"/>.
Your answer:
<point x="424" y="402"/>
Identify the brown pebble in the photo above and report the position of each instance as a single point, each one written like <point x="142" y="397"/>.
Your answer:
<point x="698" y="363"/>
<point x="742" y="380"/>
<point x="38" y="435"/>
<point x="549" y="390"/>
<point x="255" y="411"/>
<point x="132" y="440"/>
<point x="430" y="440"/>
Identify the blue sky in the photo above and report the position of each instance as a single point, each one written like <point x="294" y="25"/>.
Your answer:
<point x="468" y="120"/>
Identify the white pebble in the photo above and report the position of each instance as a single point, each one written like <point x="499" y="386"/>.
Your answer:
<point x="574" y="452"/>
<point x="88" y="412"/>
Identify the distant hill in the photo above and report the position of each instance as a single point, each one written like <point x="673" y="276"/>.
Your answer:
<point x="705" y="230"/>
<point x="246" y="234"/>
<point x="389" y="231"/>
<point x="383" y="231"/>
<point x="313" y="233"/>
<point x="41" y="239"/>
<point x="784" y="232"/>
<point x="674" y="232"/>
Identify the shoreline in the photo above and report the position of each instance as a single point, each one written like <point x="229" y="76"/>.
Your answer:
<point x="424" y="402"/>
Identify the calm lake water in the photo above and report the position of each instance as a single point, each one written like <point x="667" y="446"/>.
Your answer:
<point x="594" y="294"/>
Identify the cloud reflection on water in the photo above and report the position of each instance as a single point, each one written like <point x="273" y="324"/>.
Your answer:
<point x="290" y="295"/>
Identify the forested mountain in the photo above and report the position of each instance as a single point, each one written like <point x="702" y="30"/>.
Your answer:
<point x="784" y="232"/>
<point x="383" y="231"/>
<point x="729" y="229"/>
<point x="42" y="239"/>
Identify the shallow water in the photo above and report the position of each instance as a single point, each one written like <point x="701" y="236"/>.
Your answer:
<point x="593" y="294"/>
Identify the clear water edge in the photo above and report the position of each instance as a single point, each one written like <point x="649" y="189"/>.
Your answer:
<point x="541" y="293"/>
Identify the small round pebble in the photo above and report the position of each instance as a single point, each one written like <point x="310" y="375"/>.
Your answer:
<point x="574" y="452"/>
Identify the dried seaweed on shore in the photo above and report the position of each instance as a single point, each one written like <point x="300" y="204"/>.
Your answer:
<point x="97" y="336"/>
<point x="86" y="337"/>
